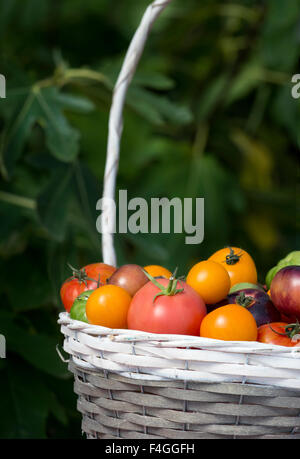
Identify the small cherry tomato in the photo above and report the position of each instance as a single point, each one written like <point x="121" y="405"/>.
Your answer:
<point x="238" y="263"/>
<point x="108" y="306"/>
<point x="73" y="287"/>
<point x="210" y="280"/>
<point x="130" y="277"/>
<point x="102" y="270"/>
<point x="158" y="271"/>
<point x="280" y="333"/>
<point x="230" y="323"/>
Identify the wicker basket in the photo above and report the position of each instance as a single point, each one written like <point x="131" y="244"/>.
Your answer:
<point x="133" y="384"/>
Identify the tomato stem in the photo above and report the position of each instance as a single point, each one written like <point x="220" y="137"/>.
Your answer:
<point x="290" y="330"/>
<point x="232" y="258"/>
<point x="81" y="275"/>
<point x="244" y="300"/>
<point x="170" y="290"/>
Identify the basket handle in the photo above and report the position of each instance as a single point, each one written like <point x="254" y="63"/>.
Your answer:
<point x="115" y="126"/>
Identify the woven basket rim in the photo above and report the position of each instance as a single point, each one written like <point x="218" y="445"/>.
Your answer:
<point x="136" y="335"/>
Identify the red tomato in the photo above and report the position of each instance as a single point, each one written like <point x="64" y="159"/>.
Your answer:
<point x="279" y="333"/>
<point x="180" y="313"/>
<point x="94" y="270"/>
<point x="72" y="288"/>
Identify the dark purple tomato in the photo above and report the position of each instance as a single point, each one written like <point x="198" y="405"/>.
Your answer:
<point x="212" y="307"/>
<point x="285" y="291"/>
<point x="258" y="303"/>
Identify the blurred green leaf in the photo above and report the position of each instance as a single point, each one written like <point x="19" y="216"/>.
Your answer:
<point x="44" y="106"/>
<point x="280" y="36"/>
<point x="153" y="80"/>
<point x="52" y="203"/>
<point x="157" y="109"/>
<point x="37" y="349"/>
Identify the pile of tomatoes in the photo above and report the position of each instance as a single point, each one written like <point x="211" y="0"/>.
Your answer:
<point x="219" y="298"/>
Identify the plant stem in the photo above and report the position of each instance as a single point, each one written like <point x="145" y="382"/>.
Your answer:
<point x="18" y="200"/>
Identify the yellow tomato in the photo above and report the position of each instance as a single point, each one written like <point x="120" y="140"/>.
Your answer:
<point x="210" y="280"/>
<point x="230" y="323"/>
<point x="157" y="271"/>
<point x="238" y="263"/>
<point x="108" y="306"/>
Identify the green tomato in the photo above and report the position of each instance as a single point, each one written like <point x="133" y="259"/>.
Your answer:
<point x="293" y="257"/>
<point x="78" y="309"/>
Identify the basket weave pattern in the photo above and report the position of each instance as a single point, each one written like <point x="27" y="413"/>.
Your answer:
<point x="133" y="384"/>
<point x="140" y="385"/>
<point x="118" y="407"/>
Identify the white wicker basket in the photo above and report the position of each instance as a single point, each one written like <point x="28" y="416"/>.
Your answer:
<point x="138" y="385"/>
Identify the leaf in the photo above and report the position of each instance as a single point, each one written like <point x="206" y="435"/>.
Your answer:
<point x="153" y="80"/>
<point x="72" y="102"/>
<point x="14" y="138"/>
<point x="209" y="180"/>
<point x="286" y="111"/>
<point x="36" y="348"/>
<point x="53" y="201"/>
<point x="248" y="79"/>
<point x="44" y="106"/>
<point x="88" y="191"/>
<point x="279" y="34"/>
<point x="210" y="97"/>
<point x="157" y="108"/>
<point x="257" y="167"/>
<point x="33" y="289"/>
<point x="61" y="138"/>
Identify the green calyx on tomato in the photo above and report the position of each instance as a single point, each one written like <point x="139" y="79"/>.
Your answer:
<point x="290" y="330"/>
<point x="244" y="300"/>
<point x="170" y="290"/>
<point x="81" y="275"/>
<point x="232" y="258"/>
<point x="78" y="311"/>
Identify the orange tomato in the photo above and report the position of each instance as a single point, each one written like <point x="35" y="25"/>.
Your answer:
<point x="108" y="306"/>
<point x="210" y="280"/>
<point x="157" y="271"/>
<point x="238" y="263"/>
<point x="230" y="323"/>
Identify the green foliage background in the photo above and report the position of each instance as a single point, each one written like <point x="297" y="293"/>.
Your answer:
<point x="209" y="114"/>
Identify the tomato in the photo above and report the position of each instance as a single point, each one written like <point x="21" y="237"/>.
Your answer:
<point x="158" y="271"/>
<point x="280" y="333"/>
<point x="108" y="306"/>
<point x="130" y="277"/>
<point x="160" y="307"/>
<point x="210" y="280"/>
<point x="73" y="287"/>
<point x="238" y="263"/>
<point x="230" y="323"/>
<point x="285" y="291"/>
<point x="292" y="258"/>
<point x="77" y="311"/>
<point x="94" y="270"/>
